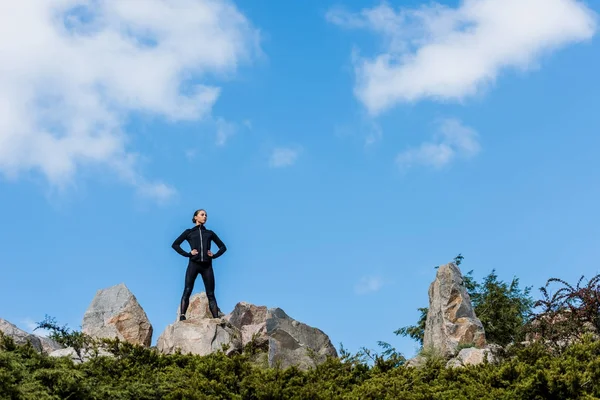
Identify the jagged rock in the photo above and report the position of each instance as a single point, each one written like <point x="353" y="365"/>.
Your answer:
<point x="19" y="336"/>
<point x="471" y="356"/>
<point x="285" y="341"/>
<point x="294" y="343"/>
<point x="200" y="336"/>
<point x="198" y="308"/>
<point x="289" y="342"/>
<point x="451" y="320"/>
<point x="86" y="355"/>
<point x="115" y="312"/>
<point x="251" y="321"/>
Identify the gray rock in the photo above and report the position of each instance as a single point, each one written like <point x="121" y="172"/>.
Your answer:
<point x="471" y="356"/>
<point x="286" y="341"/>
<point x="19" y="336"/>
<point x="289" y="342"/>
<point x="251" y="321"/>
<point x="49" y="345"/>
<point x="200" y="336"/>
<point x="116" y="313"/>
<point x="451" y="320"/>
<point x="294" y="343"/>
<point x="86" y="355"/>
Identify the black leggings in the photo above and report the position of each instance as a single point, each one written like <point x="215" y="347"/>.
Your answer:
<point x="208" y="277"/>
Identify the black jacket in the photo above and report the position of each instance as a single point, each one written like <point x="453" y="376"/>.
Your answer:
<point x="199" y="238"/>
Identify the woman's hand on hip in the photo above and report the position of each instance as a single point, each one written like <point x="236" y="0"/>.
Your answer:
<point x="194" y="252"/>
<point x="210" y="254"/>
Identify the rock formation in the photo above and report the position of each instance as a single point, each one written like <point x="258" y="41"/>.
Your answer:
<point x="285" y="341"/>
<point x="451" y="320"/>
<point x="276" y="338"/>
<point x="288" y="342"/>
<point x="295" y="343"/>
<point x="21" y="337"/>
<point x="115" y="312"/>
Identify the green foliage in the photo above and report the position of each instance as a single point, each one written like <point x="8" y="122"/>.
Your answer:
<point x="502" y="308"/>
<point x="567" y="315"/>
<point x="458" y="259"/>
<point x="78" y="340"/>
<point x="138" y="373"/>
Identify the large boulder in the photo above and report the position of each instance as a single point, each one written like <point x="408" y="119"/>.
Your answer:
<point x="200" y="336"/>
<point x="451" y="320"/>
<point x="288" y="342"/>
<point x="116" y="313"/>
<point x="282" y="340"/>
<point x="294" y="343"/>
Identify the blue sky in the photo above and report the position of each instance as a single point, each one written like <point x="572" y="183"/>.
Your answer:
<point x="341" y="149"/>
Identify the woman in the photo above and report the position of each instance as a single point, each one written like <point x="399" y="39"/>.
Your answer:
<point x="200" y="262"/>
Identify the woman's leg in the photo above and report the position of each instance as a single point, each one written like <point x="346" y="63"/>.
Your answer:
<point x="208" y="277"/>
<point x="190" y="278"/>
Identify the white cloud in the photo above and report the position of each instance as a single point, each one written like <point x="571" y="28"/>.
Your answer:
<point x="72" y="71"/>
<point x="157" y="191"/>
<point x="368" y="284"/>
<point x="224" y="131"/>
<point x="284" y="156"/>
<point x="453" y="140"/>
<point x="451" y="53"/>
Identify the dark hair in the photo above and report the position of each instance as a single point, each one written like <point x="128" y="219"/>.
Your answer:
<point x="196" y="213"/>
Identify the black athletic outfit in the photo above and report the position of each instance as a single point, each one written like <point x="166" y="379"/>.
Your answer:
<point x="199" y="238"/>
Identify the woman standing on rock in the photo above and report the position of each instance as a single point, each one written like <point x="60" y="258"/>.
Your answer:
<point x="200" y="262"/>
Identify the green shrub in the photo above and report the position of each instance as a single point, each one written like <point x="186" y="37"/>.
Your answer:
<point x="138" y="373"/>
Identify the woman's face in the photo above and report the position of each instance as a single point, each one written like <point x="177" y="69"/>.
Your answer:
<point x="201" y="217"/>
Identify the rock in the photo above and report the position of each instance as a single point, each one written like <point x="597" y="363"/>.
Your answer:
<point x="49" y="345"/>
<point x="198" y="308"/>
<point x="115" y="312"/>
<point x="200" y="336"/>
<point x="471" y="356"/>
<point x="295" y="343"/>
<point x="251" y="321"/>
<point x="451" y="320"/>
<point x="289" y="342"/>
<point x="19" y="336"/>
<point x="86" y="355"/>
<point x="283" y="340"/>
